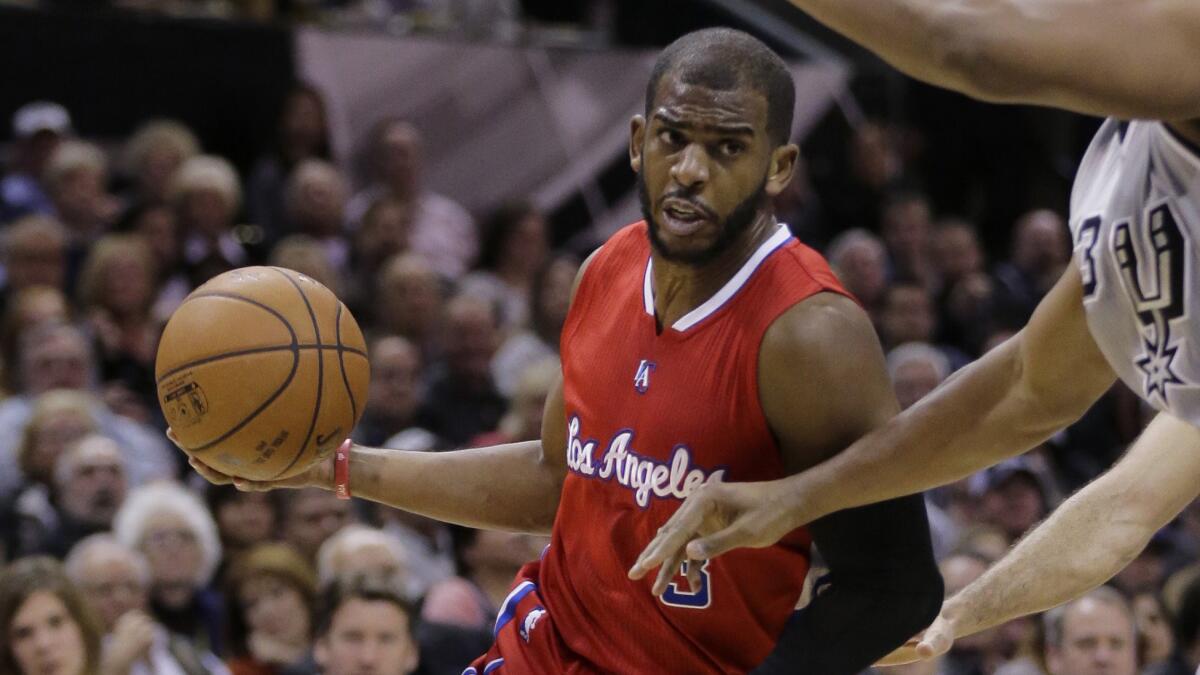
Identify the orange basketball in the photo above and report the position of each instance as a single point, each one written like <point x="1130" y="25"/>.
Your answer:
<point x="261" y="372"/>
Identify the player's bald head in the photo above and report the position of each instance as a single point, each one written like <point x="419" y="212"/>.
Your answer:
<point x="725" y="59"/>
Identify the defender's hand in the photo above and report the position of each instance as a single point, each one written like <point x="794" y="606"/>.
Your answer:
<point x="929" y="644"/>
<point x="320" y="474"/>
<point x="714" y="519"/>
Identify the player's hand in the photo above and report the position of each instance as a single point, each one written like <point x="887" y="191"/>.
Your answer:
<point x="714" y="519"/>
<point x="320" y="474"/>
<point x="929" y="644"/>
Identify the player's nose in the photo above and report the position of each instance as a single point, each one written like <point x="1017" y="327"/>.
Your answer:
<point x="691" y="167"/>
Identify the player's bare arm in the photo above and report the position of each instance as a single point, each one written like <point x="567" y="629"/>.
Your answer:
<point x="1008" y="401"/>
<point x="1123" y="58"/>
<point x="1086" y="541"/>
<point x="458" y="487"/>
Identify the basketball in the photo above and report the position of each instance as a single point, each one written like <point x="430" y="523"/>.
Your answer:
<point x="261" y="372"/>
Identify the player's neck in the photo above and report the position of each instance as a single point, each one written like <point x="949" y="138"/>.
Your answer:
<point x="680" y="288"/>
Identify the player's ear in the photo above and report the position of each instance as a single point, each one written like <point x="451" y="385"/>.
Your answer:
<point x="637" y="136"/>
<point x="783" y="167"/>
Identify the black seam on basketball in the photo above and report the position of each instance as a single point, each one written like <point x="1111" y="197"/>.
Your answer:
<point x="293" y="348"/>
<point x="337" y="322"/>
<point x="320" y="373"/>
<point x="278" y="392"/>
<point x="251" y="351"/>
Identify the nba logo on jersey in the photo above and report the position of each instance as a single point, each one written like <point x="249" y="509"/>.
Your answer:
<point x="641" y="379"/>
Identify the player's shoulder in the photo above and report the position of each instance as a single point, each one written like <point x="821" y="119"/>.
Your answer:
<point x="824" y="325"/>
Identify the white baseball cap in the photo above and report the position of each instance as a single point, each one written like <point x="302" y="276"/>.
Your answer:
<point x="32" y="118"/>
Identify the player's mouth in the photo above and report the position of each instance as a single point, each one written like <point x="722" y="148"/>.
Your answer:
<point x="683" y="218"/>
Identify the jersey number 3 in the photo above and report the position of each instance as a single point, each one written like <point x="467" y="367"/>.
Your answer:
<point x="679" y="593"/>
<point x="1151" y="266"/>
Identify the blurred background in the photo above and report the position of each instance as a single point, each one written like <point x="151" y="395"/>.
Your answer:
<point x="444" y="166"/>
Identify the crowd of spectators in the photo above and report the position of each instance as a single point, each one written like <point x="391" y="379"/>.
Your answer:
<point x="120" y="560"/>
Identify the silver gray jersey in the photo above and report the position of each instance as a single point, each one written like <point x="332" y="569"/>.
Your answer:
<point x="1135" y="221"/>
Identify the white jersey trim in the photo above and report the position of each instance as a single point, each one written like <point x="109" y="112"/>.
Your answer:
<point x="1178" y="143"/>
<point x="731" y="287"/>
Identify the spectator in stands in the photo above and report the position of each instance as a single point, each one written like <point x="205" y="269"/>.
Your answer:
<point x="907" y="227"/>
<point x="46" y="626"/>
<point x="157" y="225"/>
<point x="316" y="197"/>
<point x="1041" y="250"/>
<point x="115" y="580"/>
<point x="38" y="128"/>
<point x="270" y="601"/>
<point x="206" y="195"/>
<point x="309" y="517"/>
<point x="152" y="155"/>
<point x="916" y="369"/>
<point x="874" y="165"/>
<point x="956" y="251"/>
<point x="394" y="398"/>
<point x="487" y="562"/>
<point x="861" y="263"/>
<point x="303" y="133"/>
<point x="382" y="234"/>
<point x="170" y="526"/>
<point x="549" y="301"/>
<point x="1094" y="634"/>
<point x="307" y="256"/>
<point x="31" y="306"/>
<point x="244" y="519"/>
<point x="1154" y="626"/>
<point x="907" y="315"/>
<point x="116" y="289"/>
<point x="35" y="254"/>
<point x="410" y="303"/>
<point x="427" y="543"/>
<point x="800" y="207"/>
<point x="462" y="401"/>
<point x="359" y="550"/>
<point x="76" y="180"/>
<point x="89" y="487"/>
<point x="985" y="651"/>
<point x="365" y="626"/>
<point x="57" y="356"/>
<point x="523" y="421"/>
<point x="1015" y="495"/>
<point x="514" y="248"/>
<point x="442" y="231"/>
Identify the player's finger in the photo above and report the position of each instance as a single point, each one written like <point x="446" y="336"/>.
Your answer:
<point x="693" y="574"/>
<point x="210" y="475"/>
<point x="666" y="573"/>
<point x="670" y="540"/>
<point x="934" y="643"/>
<point x="713" y="545"/>
<point x="173" y="438"/>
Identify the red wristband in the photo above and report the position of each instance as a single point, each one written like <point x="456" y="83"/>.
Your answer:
<point x="341" y="470"/>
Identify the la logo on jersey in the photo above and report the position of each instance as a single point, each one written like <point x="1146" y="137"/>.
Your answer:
<point x="641" y="379"/>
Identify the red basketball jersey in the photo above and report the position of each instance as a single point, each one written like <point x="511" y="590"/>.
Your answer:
<point x="649" y="417"/>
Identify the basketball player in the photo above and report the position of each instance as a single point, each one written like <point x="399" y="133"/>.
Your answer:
<point x="1128" y="307"/>
<point x="702" y="344"/>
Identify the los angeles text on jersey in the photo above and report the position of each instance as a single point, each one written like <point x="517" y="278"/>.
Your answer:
<point x="645" y="476"/>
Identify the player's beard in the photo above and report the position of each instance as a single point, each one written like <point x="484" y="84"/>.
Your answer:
<point x="728" y="228"/>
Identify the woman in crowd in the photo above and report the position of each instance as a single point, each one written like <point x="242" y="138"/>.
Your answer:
<point x="46" y="627"/>
<point x="271" y="591"/>
<point x="171" y="527"/>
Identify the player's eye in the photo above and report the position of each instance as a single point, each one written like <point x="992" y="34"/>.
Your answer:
<point x="671" y="137"/>
<point x="731" y="148"/>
